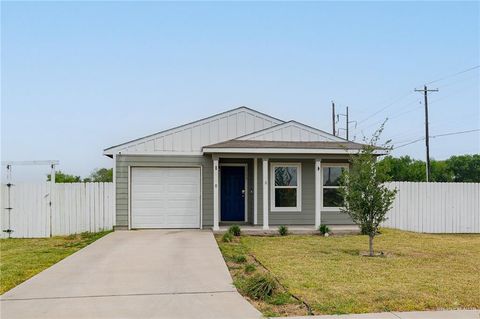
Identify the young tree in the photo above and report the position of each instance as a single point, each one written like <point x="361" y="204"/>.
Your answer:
<point x="366" y="199"/>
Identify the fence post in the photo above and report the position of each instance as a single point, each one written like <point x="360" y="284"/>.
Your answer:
<point x="52" y="189"/>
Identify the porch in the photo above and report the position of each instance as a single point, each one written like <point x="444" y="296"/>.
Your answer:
<point x="297" y="185"/>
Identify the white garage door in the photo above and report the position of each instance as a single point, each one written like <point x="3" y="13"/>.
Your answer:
<point x="165" y="197"/>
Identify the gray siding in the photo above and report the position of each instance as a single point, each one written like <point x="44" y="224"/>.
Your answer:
<point x="307" y="215"/>
<point x="124" y="161"/>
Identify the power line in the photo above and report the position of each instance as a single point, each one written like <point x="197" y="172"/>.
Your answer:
<point x="454" y="74"/>
<point x="405" y="95"/>
<point x="385" y="107"/>
<point x="438" y="135"/>
<point x="456" y="133"/>
<point x="414" y="141"/>
<point x="395" y="115"/>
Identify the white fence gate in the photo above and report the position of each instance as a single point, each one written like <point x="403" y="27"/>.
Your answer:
<point x="435" y="207"/>
<point x="75" y="208"/>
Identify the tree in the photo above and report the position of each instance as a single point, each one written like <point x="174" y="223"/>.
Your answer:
<point x="440" y="171"/>
<point x="366" y="199"/>
<point x="100" y="175"/>
<point x="404" y="168"/>
<point x="465" y="168"/>
<point x="61" y="177"/>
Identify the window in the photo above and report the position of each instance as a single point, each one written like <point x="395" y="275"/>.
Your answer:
<point x="332" y="199"/>
<point x="286" y="183"/>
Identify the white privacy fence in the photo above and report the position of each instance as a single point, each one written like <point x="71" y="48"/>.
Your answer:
<point x="80" y="207"/>
<point x="75" y="208"/>
<point x="435" y="207"/>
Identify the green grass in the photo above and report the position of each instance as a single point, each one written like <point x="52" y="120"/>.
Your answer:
<point x="20" y="259"/>
<point x="418" y="272"/>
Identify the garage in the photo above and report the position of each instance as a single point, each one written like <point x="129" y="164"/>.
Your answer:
<point x="165" y="197"/>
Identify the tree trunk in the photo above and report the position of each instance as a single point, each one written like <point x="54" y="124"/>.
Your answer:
<point x="370" y="244"/>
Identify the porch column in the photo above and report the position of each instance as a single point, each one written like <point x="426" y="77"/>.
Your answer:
<point x="318" y="192"/>
<point x="265" y="193"/>
<point x="215" y="194"/>
<point x="255" y="195"/>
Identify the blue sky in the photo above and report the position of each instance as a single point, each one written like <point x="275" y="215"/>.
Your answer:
<point x="78" y="77"/>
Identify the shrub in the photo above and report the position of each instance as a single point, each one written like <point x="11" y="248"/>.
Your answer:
<point x="227" y="237"/>
<point x="283" y="230"/>
<point x="239" y="259"/>
<point x="260" y="286"/>
<point x="234" y="230"/>
<point x="249" y="268"/>
<point x="324" y="229"/>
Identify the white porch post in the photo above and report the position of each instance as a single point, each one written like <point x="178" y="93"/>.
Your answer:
<point x="265" y="193"/>
<point x="215" y="194"/>
<point x="255" y="195"/>
<point x="318" y="192"/>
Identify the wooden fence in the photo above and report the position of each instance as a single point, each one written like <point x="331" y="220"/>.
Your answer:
<point x="435" y="207"/>
<point x="75" y="208"/>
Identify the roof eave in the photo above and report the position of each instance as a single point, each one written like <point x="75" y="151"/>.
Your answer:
<point x="275" y="150"/>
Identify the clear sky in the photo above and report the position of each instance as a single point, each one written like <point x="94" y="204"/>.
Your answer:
<point x="78" y="77"/>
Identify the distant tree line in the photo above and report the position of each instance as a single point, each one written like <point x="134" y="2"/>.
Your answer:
<point x="463" y="168"/>
<point x="98" y="175"/>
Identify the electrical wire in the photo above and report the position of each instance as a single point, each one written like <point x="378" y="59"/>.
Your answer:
<point x="410" y="93"/>
<point x="438" y="135"/>
<point x="386" y="107"/>
<point x="454" y="74"/>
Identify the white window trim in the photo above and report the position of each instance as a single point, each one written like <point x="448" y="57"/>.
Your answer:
<point x="324" y="165"/>
<point x="298" y="208"/>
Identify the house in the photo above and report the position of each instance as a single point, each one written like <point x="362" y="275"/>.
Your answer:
<point x="239" y="166"/>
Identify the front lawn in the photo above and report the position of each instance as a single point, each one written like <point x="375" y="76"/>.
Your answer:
<point x="22" y="258"/>
<point x="417" y="272"/>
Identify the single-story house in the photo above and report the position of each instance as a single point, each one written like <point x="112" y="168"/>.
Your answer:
<point x="240" y="166"/>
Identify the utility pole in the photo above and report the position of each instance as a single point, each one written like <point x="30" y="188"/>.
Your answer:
<point x="347" y="122"/>
<point x="333" y="118"/>
<point x="427" y="137"/>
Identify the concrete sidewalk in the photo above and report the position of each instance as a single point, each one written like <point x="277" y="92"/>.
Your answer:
<point x="134" y="274"/>
<point x="453" y="314"/>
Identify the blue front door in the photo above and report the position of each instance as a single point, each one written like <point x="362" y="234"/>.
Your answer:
<point x="232" y="193"/>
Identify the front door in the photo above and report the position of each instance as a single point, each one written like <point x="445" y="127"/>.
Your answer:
<point x="232" y="194"/>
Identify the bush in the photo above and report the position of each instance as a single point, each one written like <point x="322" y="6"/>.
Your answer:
<point x="323" y="229"/>
<point x="283" y="230"/>
<point x="227" y="237"/>
<point x="234" y="230"/>
<point x="249" y="268"/>
<point x="260" y="286"/>
<point x="239" y="259"/>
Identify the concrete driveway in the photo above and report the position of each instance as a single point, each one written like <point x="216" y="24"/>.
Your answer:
<point x="134" y="274"/>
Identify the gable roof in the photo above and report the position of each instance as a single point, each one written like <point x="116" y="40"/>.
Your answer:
<point x="291" y="131"/>
<point x="190" y="138"/>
